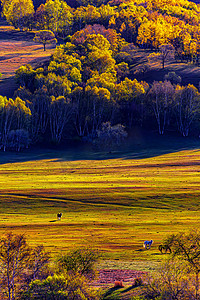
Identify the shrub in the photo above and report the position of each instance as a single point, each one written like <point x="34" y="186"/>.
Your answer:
<point x="118" y="284"/>
<point x="80" y="261"/>
<point x="170" y="282"/>
<point x="110" y="137"/>
<point x="18" y="139"/>
<point x="173" y="77"/>
<point x="60" y="287"/>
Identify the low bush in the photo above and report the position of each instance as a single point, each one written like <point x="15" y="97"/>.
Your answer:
<point x="60" y="287"/>
<point x="118" y="284"/>
<point x="170" y="282"/>
<point x="80" y="261"/>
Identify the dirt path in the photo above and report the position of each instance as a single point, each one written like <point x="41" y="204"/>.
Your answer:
<point x="107" y="277"/>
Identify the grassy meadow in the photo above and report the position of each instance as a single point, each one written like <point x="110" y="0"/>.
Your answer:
<point x="112" y="204"/>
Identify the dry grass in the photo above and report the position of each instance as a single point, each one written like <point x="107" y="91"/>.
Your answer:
<point x="18" y="53"/>
<point x="17" y="49"/>
<point x="190" y="73"/>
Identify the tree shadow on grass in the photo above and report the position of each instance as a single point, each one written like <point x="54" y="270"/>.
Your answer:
<point x="147" y="146"/>
<point x="128" y="289"/>
<point x="109" y="293"/>
<point x="116" y="292"/>
<point x="16" y="35"/>
<point x="8" y="86"/>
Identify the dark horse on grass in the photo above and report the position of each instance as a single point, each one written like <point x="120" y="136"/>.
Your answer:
<point x="59" y="216"/>
<point x="164" y="248"/>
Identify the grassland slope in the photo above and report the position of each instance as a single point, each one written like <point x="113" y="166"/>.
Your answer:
<point x="112" y="204"/>
<point x="17" y="49"/>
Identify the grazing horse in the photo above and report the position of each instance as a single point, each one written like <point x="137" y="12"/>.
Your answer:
<point x="147" y="244"/>
<point x="59" y="215"/>
<point x="164" y="248"/>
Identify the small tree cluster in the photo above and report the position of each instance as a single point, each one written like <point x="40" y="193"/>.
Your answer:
<point x="25" y="272"/>
<point x="70" y="280"/>
<point x="17" y="12"/>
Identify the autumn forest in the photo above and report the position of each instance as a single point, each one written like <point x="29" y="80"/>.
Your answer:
<point x="91" y="89"/>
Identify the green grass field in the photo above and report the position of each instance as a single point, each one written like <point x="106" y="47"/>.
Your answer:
<point x="111" y="204"/>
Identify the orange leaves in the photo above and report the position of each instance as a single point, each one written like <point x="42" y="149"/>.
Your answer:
<point x="110" y="34"/>
<point x="155" y="32"/>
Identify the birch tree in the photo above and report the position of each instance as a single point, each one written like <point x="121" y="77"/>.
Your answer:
<point x="60" y="112"/>
<point x="40" y="107"/>
<point x="81" y="106"/>
<point x="22" y="114"/>
<point x="187" y="106"/>
<point x="14" y="254"/>
<point x="128" y="94"/>
<point x="160" y="98"/>
<point x="14" y="114"/>
<point x="6" y="119"/>
<point x="59" y="14"/>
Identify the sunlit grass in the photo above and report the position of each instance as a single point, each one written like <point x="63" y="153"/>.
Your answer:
<point x="189" y="72"/>
<point x="111" y="204"/>
<point x="14" y="54"/>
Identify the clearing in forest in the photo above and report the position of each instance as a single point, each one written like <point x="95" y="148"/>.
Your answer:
<point x="18" y="49"/>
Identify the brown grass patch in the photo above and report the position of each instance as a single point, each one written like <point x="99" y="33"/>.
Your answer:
<point x="17" y="49"/>
<point x="14" y="54"/>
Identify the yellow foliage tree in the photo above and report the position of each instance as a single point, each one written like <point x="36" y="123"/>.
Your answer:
<point x="16" y="10"/>
<point x="60" y="16"/>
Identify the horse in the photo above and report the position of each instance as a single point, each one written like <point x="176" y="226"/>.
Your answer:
<point x="147" y="244"/>
<point x="59" y="215"/>
<point x="164" y="248"/>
